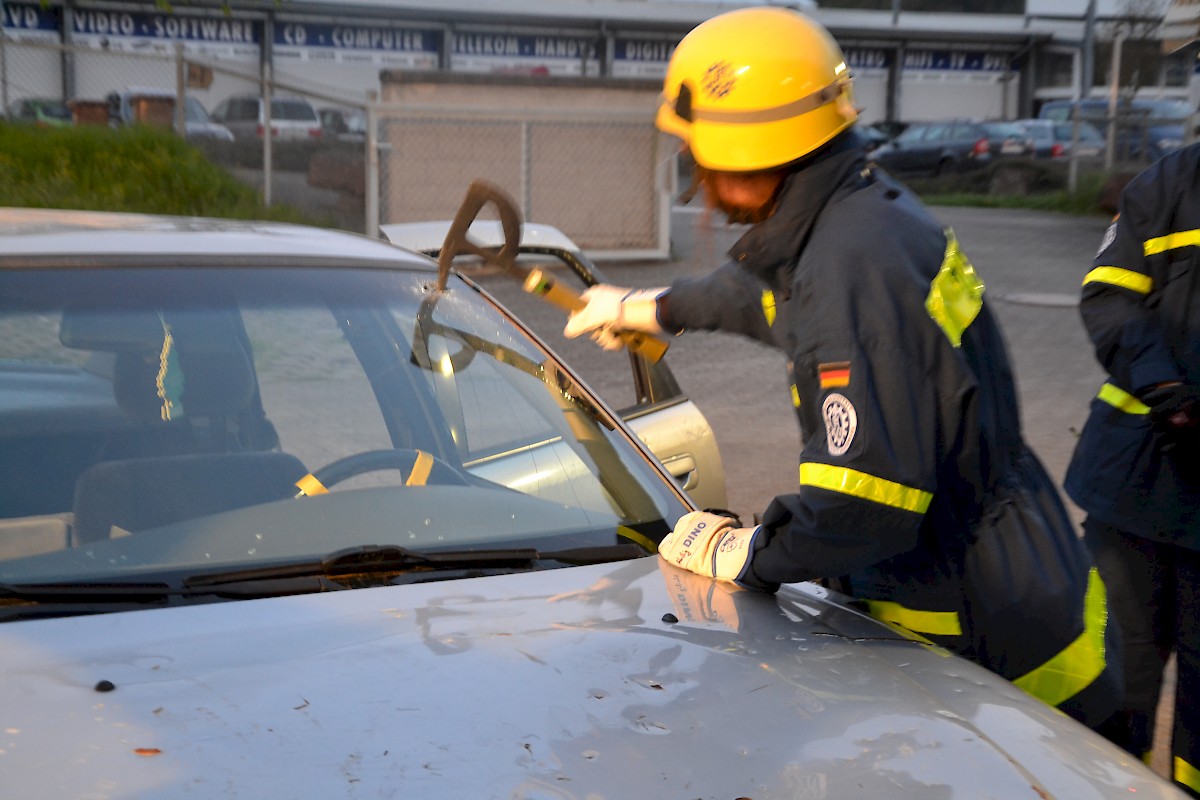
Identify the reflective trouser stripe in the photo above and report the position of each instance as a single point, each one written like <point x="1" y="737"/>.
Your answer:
<point x="1082" y="661"/>
<point x="1186" y="774"/>
<point x="938" y="623"/>
<point x="1120" y="399"/>
<point x="867" y="487"/>
<point x="795" y="396"/>
<point x="1171" y="241"/>
<point x="1125" y="278"/>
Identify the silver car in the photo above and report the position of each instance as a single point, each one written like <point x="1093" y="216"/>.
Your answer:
<point x="295" y="513"/>
<point x="292" y="118"/>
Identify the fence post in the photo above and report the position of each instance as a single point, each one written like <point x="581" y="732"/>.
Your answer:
<point x="267" y="137"/>
<point x="371" y="189"/>
<point x="180" y="91"/>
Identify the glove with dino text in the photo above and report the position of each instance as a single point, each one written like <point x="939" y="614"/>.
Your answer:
<point x="709" y="545"/>
<point x="609" y="309"/>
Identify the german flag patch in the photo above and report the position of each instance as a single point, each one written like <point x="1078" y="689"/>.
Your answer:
<point x="834" y="375"/>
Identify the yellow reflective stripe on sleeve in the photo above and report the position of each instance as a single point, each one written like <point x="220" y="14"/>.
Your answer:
<point x="1186" y="774"/>
<point x="1171" y="241"/>
<point x="309" y="485"/>
<point x="420" y="470"/>
<point x="955" y="294"/>
<point x="795" y="396"/>
<point x="1120" y="399"/>
<point x="1080" y="662"/>
<point x="768" y="305"/>
<point x="1125" y="278"/>
<point x="867" y="487"/>
<point x="938" y="623"/>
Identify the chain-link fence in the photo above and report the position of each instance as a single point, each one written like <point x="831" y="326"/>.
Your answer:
<point x="583" y="156"/>
<point x="224" y="105"/>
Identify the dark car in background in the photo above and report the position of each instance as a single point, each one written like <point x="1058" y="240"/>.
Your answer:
<point x="953" y="145"/>
<point x="1146" y="128"/>
<point x="935" y="148"/>
<point x="1059" y="139"/>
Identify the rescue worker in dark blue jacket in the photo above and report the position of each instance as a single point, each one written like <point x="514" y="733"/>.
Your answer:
<point x="916" y="490"/>
<point x="1136" y="468"/>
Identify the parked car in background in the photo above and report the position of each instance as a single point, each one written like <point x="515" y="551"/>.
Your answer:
<point x="40" y="111"/>
<point x="344" y="124"/>
<point x="293" y="512"/>
<point x="935" y="148"/>
<point x="877" y="134"/>
<point x="156" y="106"/>
<point x="1007" y="139"/>
<point x="1054" y="139"/>
<point x="292" y="118"/>
<point x="1146" y="128"/>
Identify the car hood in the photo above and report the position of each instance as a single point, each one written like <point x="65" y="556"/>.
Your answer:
<point x="615" y="681"/>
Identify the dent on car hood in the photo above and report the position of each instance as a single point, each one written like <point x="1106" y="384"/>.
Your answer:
<point x="617" y="681"/>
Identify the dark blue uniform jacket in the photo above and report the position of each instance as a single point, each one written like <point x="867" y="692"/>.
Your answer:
<point x="915" y="486"/>
<point x="1141" y="307"/>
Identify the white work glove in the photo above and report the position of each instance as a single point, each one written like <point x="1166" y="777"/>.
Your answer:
<point x="709" y="545"/>
<point x="609" y="309"/>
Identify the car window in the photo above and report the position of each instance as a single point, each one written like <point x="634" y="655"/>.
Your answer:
<point x="1168" y="110"/>
<point x="195" y="111"/>
<point x="1087" y="132"/>
<point x="1004" y="129"/>
<point x="293" y="110"/>
<point x="911" y="134"/>
<point x="166" y="417"/>
<point x="240" y="109"/>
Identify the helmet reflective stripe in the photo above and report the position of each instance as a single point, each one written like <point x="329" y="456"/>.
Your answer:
<point x="811" y="102"/>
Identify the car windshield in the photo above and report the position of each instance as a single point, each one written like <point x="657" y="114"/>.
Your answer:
<point x="169" y="421"/>
<point x="195" y="111"/>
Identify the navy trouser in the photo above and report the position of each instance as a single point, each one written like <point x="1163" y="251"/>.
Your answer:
<point x="1154" y="595"/>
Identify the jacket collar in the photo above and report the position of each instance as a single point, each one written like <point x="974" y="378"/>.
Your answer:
<point x="775" y="244"/>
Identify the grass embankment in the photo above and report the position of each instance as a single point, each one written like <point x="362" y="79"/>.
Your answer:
<point x="139" y="169"/>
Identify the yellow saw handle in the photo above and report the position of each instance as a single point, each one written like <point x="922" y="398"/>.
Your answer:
<point x="539" y="283"/>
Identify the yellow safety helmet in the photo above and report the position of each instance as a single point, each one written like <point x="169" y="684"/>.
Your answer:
<point x="756" y="88"/>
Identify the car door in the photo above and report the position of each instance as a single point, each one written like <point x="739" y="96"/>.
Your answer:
<point x="651" y="402"/>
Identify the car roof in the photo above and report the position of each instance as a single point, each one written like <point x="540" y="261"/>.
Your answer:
<point x="428" y="237"/>
<point x="99" y="236"/>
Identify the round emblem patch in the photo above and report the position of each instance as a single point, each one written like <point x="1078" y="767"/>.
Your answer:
<point x="841" y="422"/>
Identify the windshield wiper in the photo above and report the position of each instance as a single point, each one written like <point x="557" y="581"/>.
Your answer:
<point x="376" y="559"/>
<point x="306" y="577"/>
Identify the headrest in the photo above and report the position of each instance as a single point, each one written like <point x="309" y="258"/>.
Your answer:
<point x="169" y="365"/>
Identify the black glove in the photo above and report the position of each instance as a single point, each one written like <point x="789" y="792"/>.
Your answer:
<point x="1174" y="407"/>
